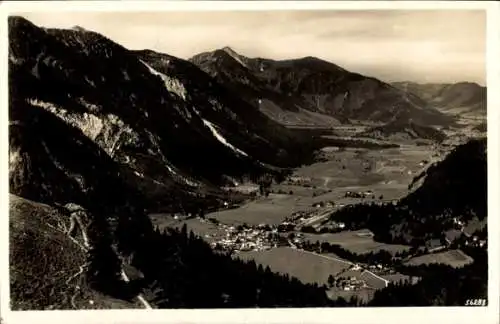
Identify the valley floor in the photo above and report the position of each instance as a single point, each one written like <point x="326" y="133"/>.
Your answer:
<point x="307" y="198"/>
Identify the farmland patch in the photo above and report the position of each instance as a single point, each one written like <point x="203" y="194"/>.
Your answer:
<point x="454" y="258"/>
<point x="358" y="242"/>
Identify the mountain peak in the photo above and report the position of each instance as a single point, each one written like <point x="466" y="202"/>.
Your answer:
<point x="233" y="54"/>
<point x="78" y="28"/>
<point x="229" y="50"/>
<point x="311" y="58"/>
<point x="18" y="22"/>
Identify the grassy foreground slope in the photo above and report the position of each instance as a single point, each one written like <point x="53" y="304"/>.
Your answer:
<point x="45" y="263"/>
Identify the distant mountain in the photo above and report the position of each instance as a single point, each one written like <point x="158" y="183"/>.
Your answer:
<point x="462" y="95"/>
<point x="397" y="131"/>
<point x="315" y="85"/>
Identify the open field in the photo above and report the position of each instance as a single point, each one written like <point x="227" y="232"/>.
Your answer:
<point x="386" y="173"/>
<point x="454" y="258"/>
<point x="356" y="242"/>
<point x="310" y="267"/>
<point x="391" y="168"/>
<point x="271" y="210"/>
<point x="307" y="267"/>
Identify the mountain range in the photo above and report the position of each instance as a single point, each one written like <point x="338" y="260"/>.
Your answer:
<point x="463" y="96"/>
<point x="124" y="132"/>
<point x="161" y="128"/>
<point x="315" y="85"/>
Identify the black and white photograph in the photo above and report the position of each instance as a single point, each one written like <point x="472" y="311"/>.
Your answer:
<point x="249" y="159"/>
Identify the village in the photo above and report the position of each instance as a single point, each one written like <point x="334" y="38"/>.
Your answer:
<point x="245" y="238"/>
<point x="264" y="236"/>
<point x="237" y="239"/>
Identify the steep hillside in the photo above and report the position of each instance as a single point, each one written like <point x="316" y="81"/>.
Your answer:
<point x="458" y="184"/>
<point x="465" y="96"/>
<point x="54" y="163"/>
<point x="45" y="162"/>
<point x="139" y="116"/>
<point x="315" y="85"/>
<point x="453" y="188"/>
<point x="45" y="263"/>
<point x="247" y="128"/>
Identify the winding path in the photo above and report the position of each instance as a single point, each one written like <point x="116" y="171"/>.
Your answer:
<point x="85" y="249"/>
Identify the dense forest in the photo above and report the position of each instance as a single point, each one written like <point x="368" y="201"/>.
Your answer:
<point x="186" y="273"/>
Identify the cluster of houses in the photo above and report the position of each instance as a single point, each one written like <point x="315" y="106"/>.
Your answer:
<point x="360" y="194"/>
<point x="298" y="180"/>
<point x="454" y="235"/>
<point x="332" y="226"/>
<point x="310" y="217"/>
<point x="357" y="277"/>
<point x="351" y="283"/>
<point x="323" y="204"/>
<point x="466" y="230"/>
<point x="475" y="241"/>
<point x="238" y="239"/>
<point x="296" y="241"/>
<point x="298" y="216"/>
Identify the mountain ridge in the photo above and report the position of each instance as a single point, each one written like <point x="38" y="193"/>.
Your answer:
<point x="121" y="66"/>
<point x="449" y="96"/>
<point x="319" y="86"/>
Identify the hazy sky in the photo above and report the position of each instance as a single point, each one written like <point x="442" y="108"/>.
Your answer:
<point x="396" y="45"/>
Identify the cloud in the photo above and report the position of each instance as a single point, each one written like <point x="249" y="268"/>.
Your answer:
<point x="416" y="45"/>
